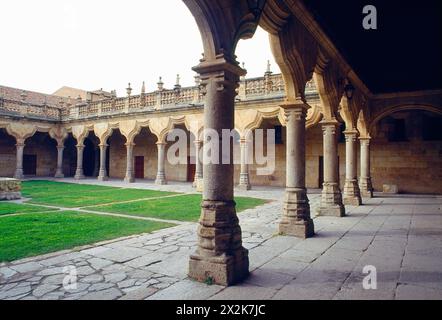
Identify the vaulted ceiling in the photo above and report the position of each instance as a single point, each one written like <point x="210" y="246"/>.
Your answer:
<point x="403" y="54"/>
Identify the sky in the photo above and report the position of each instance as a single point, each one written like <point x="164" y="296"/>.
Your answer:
<point x="47" y="44"/>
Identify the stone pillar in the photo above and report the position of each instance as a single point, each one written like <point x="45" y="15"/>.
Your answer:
<point x="198" y="164"/>
<point x="352" y="194"/>
<point x="296" y="220"/>
<point x="59" y="173"/>
<point x="102" y="176"/>
<point x="130" y="178"/>
<point x="365" y="184"/>
<point x="19" y="159"/>
<point x="96" y="171"/>
<point x="161" y="174"/>
<point x="79" y="174"/>
<point x="244" y="179"/>
<point x="220" y="257"/>
<point x="331" y="202"/>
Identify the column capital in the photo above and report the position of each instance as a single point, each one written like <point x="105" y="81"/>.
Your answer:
<point x="351" y="135"/>
<point x="330" y="123"/>
<point x="365" y="141"/>
<point x="297" y="105"/>
<point x="208" y="67"/>
<point x="60" y="146"/>
<point x="20" y="144"/>
<point x="160" y="143"/>
<point x="329" y="127"/>
<point x="103" y="145"/>
<point x="130" y="144"/>
<point x="80" y="146"/>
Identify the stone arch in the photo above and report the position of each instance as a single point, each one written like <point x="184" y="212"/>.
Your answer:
<point x="401" y="107"/>
<point x="293" y="48"/>
<point x="218" y="37"/>
<point x="40" y="154"/>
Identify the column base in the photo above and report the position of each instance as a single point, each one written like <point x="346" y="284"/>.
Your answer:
<point x="129" y="179"/>
<point x="296" y="219"/>
<point x="79" y="176"/>
<point x="160" y="182"/>
<point x="245" y="187"/>
<point x="161" y="179"/>
<point x="103" y="178"/>
<point x="244" y="182"/>
<point x="331" y="202"/>
<point x="222" y="270"/>
<point x="220" y="257"/>
<point x="59" y="175"/>
<point x="352" y="194"/>
<point x="366" y="188"/>
<point x="19" y="174"/>
<point x="196" y="182"/>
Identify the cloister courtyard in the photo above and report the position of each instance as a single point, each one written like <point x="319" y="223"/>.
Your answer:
<point x="133" y="242"/>
<point x="318" y="177"/>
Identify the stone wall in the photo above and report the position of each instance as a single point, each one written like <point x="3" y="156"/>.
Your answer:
<point x="45" y="149"/>
<point x="7" y="154"/>
<point x="414" y="165"/>
<point x="145" y="146"/>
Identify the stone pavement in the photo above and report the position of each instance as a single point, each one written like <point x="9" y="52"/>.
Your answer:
<point x="399" y="235"/>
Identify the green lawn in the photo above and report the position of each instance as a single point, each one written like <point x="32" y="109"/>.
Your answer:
<point x="182" y="208"/>
<point x="12" y="208"/>
<point x="34" y="234"/>
<point x="70" y="195"/>
<point x="39" y="232"/>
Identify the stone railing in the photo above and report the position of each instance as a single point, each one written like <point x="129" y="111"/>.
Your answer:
<point x="267" y="87"/>
<point x="28" y="110"/>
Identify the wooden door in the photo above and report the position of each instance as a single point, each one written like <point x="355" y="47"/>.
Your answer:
<point x="191" y="169"/>
<point x="321" y="172"/>
<point x="30" y="165"/>
<point x="139" y="167"/>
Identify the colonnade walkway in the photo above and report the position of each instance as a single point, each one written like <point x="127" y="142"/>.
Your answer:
<point x="398" y="237"/>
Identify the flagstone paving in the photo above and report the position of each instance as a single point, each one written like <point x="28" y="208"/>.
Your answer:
<point x="401" y="236"/>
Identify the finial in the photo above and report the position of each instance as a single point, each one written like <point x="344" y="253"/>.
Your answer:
<point x="129" y="89"/>
<point x="177" y="84"/>
<point x="243" y="77"/>
<point x="197" y="80"/>
<point x="269" y="68"/>
<point x="160" y="84"/>
<point x="23" y="95"/>
<point x="143" y="88"/>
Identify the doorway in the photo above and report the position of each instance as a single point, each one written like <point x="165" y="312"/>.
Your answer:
<point x="30" y="165"/>
<point x="191" y="169"/>
<point x="139" y="167"/>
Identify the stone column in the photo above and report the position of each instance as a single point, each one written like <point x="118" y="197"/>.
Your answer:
<point x="198" y="164"/>
<point x="60" y="149"/>
<point x="102" y="176"/>
<point x="161" y="174"/>
<point x="220" y="257"/>
<point x="331" y="202"/>
<point x="96" y="171"/>
<point x="352" y="194"/>
<point x="296" y="220"/>
<point x="19" y="159"/>
<point x="244" y="179"/>
<point x="365" y="184"/>
<point x="79" y="174"/>
<point x="130" y="163"/>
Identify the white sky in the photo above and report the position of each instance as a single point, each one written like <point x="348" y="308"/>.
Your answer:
<point x="93" y="44"/>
